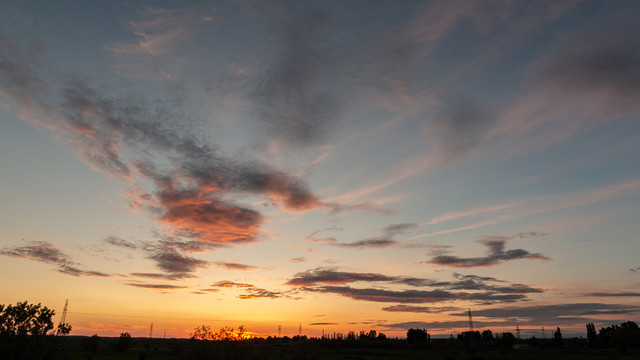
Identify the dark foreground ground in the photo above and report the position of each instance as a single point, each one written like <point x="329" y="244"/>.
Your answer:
<point x="76" y="348"/>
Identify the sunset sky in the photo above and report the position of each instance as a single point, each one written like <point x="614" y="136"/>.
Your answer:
<point x="329" y="165"/>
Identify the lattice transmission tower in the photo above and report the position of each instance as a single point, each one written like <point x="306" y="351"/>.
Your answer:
<point x="63" y="319"/>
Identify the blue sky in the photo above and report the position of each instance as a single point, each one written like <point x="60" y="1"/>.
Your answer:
<point x="344" y="165"/>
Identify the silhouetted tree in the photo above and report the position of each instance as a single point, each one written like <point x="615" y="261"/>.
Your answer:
<point x="592" y="336"/>
<point x="417" y="336"/>
<point x="557" y="336"/>
<point x="506" y="339"/>
<point x="487" y="336"/>
<point x="91" y="343"/>
<point x="124" y="341"/>
<point x="202" y="333"/>
<point x="625" y="336"/>
<point x="23" y="331"/>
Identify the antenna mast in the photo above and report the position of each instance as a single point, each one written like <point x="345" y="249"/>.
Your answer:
<point x="518" y="331"/>
<point x="470" y="321"/>
<point x="151" y="331"/>
<point x="63" y="319"/>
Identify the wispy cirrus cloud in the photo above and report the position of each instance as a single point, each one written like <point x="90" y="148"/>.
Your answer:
<point x="158" y="50"/>
<point x="512" y="210"/>
<point x="45" y="252"/>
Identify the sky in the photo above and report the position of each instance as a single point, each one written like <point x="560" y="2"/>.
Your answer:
<point x="322" y="166"/>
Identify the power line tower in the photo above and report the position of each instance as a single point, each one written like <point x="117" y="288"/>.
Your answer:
<point x="151" y="331"/>
<point x="63" y="319"/>
<point x="279" y="330"/>
<point x="543" y="336"/>
<point x="300" y="329"/>
<point x="470" y="321"/>
<point x="518" y="331"/>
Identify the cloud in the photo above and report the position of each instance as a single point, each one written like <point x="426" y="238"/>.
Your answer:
<point x="323" y="323"/>
<point x="157" y="51"/>
<point x="386" y="239"/>
<point x="298" y="259"/>
<point x="635" y="269"/>
<point x="419" y="309"/>
<point x="250" y="291"/>
<point x="235" y="266"/>
<point x="495" y="256"/>
<point x="602" y="62"/>
<point x="415" y="296"/>
<point x="229" y="284"/>
<point x="157" y="286"/>
<point x="615" y="294"/>
<point x="464" y="287"/>
<point x="172" y="276"/>
<point x="174" y="263"/>
<point x="290" y="96"/>
<point x="45" y="252"/>
<point x="185" y="184"/>
<point x="116" y="241"/>
<point x="520" y="208"/>
<point x="460" y="124"/>
<point x="553" y="313"/>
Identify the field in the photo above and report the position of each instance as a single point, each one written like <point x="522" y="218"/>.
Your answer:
<point x="76" y="348"/>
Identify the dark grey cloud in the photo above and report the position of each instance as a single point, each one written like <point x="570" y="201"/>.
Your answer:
<point x="462" y="282"/>
<point x="256" y="293"/>
<point x="463" y="124"/>
<point x="415" y="296"/>
<point x="235" y="266"/>
<point x="635" y="269"/>
<point x="116" y="241"/>
<point x="230" y="284"/>
<point x="483" y="290"/>
<point x="323" y="323"/>
<point x="250" y="291"/>
<point x="289" y="95"/>
<point x="385" y="239"/>
<point x="173" y="262"/>
<point x="331" y="276"/>
<point x="496" y="255"/>
<point x="604" y="61"/>
<point x="561" y="313"/>
<point x="45" y="252"/>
